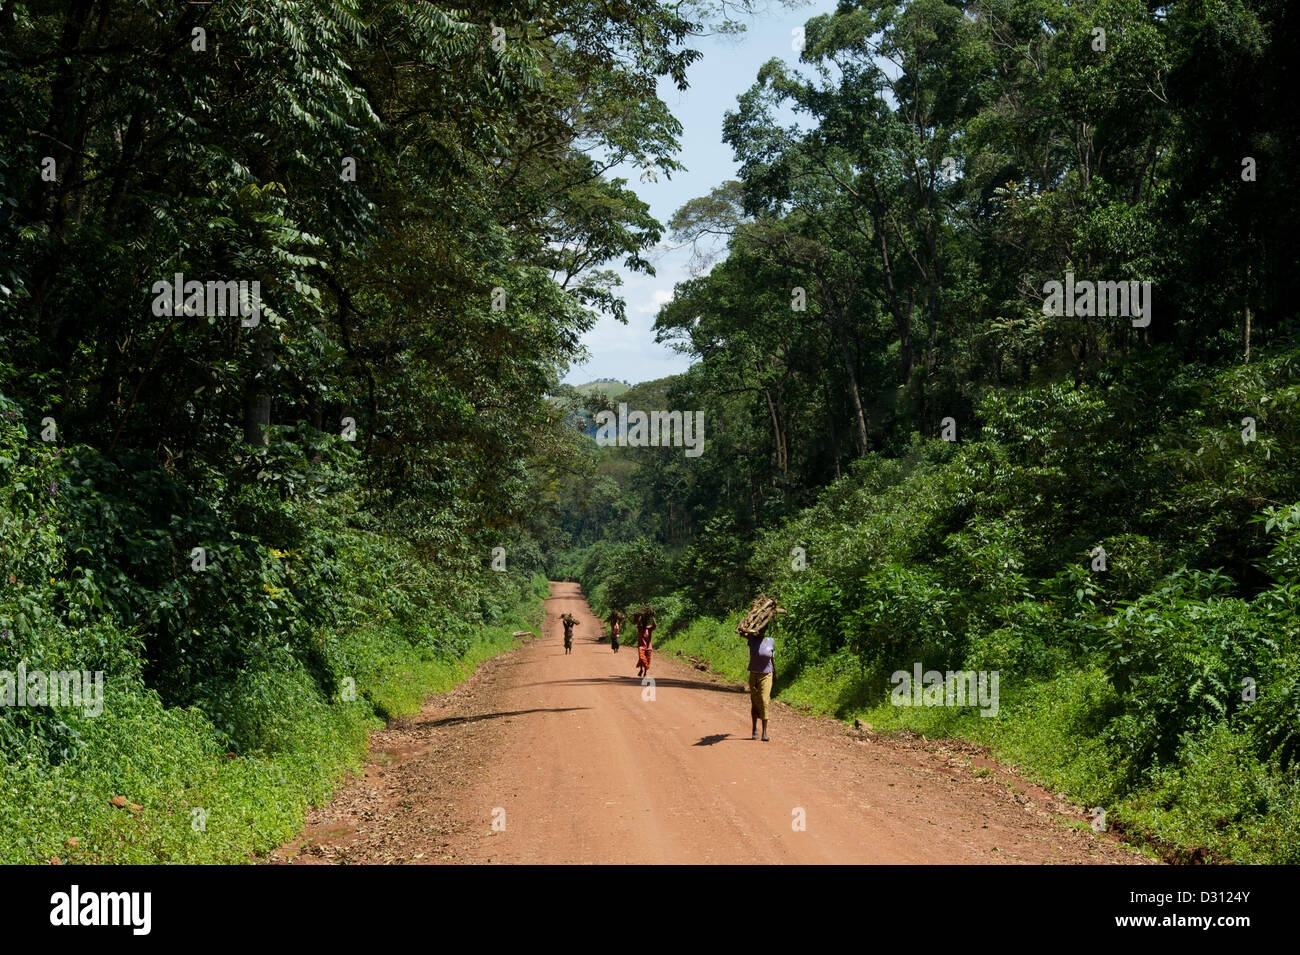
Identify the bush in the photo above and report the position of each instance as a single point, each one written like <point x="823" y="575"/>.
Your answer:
<point x="1177" y="658"/>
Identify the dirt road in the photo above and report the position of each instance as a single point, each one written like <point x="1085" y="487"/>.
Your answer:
<point x="547" y="757"/>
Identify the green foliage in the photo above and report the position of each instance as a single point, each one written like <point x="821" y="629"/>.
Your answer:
<point x="243" y="690"/>
<point x="1114" y="682"/>
<point x="269" y="529"/>
<point x="1177" y="657"/>
<point x="1110" y="522"/>
<point x="882" y="286"/>
<point x="168" y="759"/>
<point x="1219" y="796"/>
<point x="622" y="576"/>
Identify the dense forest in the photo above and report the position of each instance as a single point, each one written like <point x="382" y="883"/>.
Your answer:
<point x="283" y="289"/>
<point x="931" y="461"/>
<point x="993" y="336"/>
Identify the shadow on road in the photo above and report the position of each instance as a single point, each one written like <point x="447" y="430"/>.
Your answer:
<point x="715" y="738"/>
<point x="451" y="720"/>
<point x="636" y="682"/>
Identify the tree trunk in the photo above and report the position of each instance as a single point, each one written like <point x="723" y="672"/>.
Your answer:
<point x="859" y="417"/>
<point x="257" y="408"/>
<point x="830" y="424"/>
<point x="778" y="437"/>
<point x="1248" y="316"/>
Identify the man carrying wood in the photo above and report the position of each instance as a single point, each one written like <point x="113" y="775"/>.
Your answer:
<point x="569" y="622"/>
<point x="762" y="650"/>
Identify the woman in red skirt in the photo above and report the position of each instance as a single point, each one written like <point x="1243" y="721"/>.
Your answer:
<point x="645" y="626"/>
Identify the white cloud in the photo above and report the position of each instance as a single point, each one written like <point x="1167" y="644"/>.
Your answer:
<point x="629" y="352"/>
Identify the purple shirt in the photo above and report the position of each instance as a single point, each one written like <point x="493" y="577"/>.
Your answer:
<point x="761" y="650"/>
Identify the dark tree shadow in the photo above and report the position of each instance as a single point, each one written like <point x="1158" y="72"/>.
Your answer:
<point x="636" y="682"/>
<point x="452" y="720"/>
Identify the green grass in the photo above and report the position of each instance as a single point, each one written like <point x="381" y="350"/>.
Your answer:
<point x="167" y="761"/>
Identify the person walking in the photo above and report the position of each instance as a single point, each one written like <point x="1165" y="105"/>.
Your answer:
<point x="569" y="622"/>
<point x="615" y="628"/>
<point x="762" y="651"/>
<point x="645" y="627"/>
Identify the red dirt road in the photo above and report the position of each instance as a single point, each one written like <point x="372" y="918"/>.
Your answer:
<point x="573" y="762"/>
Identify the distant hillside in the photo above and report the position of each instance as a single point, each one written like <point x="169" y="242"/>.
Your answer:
<point x="609" y="387"/>
<point x="643" y="396"/>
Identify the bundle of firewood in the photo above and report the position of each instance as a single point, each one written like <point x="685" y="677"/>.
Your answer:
<point x="569" y="618"/>
<point x="644" y="616"/>
<point x="761" y="612"/>
<point x="615" y="616"/>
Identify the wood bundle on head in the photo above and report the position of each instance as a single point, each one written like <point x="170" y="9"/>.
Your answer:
<point x="615" y="616"/>
<point x="568" y="618"/>
<point x="644" y="616"/>
<point x="761" y="612"/>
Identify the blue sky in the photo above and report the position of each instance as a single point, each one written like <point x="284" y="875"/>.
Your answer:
<point x="727" y="68"/>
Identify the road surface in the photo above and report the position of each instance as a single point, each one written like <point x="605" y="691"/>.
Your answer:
<point x="543" y="757"/>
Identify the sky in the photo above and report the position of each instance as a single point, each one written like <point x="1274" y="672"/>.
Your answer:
<point x="727" y="68"/>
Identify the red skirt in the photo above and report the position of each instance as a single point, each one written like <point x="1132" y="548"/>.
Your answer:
<point x="643" y="656"/>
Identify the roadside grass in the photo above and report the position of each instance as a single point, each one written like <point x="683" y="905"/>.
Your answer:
<point x="196" y="804"/>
